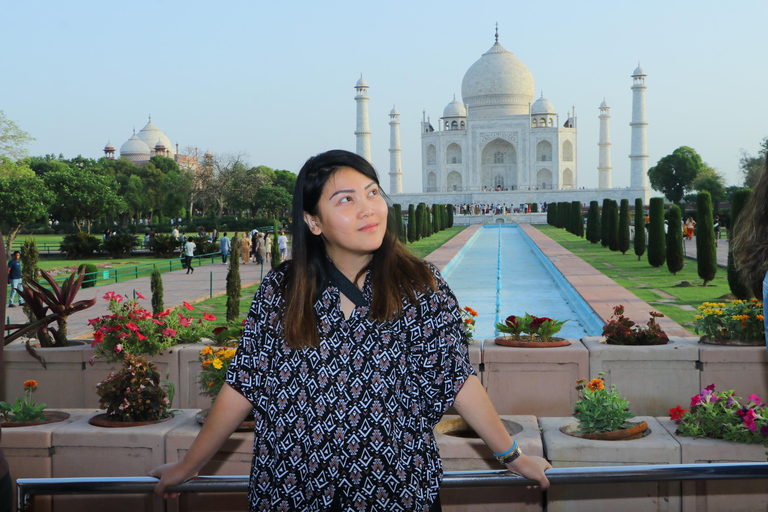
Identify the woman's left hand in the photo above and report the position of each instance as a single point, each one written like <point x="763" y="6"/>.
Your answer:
<point x="531" y="467"/>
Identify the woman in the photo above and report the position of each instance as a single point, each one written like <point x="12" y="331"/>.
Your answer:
<point x="750" y="243"/>
<point x="245" y="248"/>
<point x="262" y="249"/>
<point x="255" y="246"/>
<point x="352" y="351"/>
<point x="689" y="225"/>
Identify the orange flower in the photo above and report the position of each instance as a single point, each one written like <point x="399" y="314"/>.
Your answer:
<point x="760" y="317"/>
<point x="210" y="384"/>
<point x="30" y="384"/>
<point x="596" y="385"/>
<point x="467" y="320"/>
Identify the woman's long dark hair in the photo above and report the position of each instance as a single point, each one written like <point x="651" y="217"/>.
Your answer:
<point x="750" y="245"/>
<point x="395" y="271"/>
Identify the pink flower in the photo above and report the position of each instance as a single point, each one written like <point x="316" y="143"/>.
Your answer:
<point x="187" y="305"/>
<point x="184" y="321"/>
<point x="139" y="296"/>
<point x="169" y="332"/>
<point x="91" y="361"/>
<point x="755" y="399"/>
<point x="93" y="321"/>
<point x="749" y="420"/>
<point x="118" y="348"/>
<point x="710" y="388"/>
<point x="695" y="400"/>
<point x="122" y="335"/>
<point x="132" y="326"/>
<point x="208" y="316"/>
<point x="109" y="296"/>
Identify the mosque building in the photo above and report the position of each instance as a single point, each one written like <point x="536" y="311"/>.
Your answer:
<point x="500" y="144"/>
<point x="149" y="142"/>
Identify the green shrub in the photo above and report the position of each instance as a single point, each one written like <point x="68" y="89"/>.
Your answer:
<point x="120" y="246"/>
<point x="604" y="234"/>
<point x="656" y="236"/>
<point x="593" y="222"/>
<point x="79" y="245"/>
<point x="639" y="228"/>
<point x="163" y="246"/>
<point x="412" y="231"/>
<point x="738" y="288"/>
<point x="624" y="226"/>
<point x="156" y="286"/>
<point x="706" y="251"/>
<point x="613" y="226"/>
<point x="449" y="209"/>
<point x="233" y="283"/>
<point x="90" y="274"/>
<point x="675" y="256"/>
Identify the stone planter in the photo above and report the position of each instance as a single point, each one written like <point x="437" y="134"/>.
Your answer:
<point x="522" y="380"/>
<point x="714" y="495"/>
<point x="188" y="390"/>
<point x="234" y="458"/>
<point x="59" y="386"/>
<point x="657" y="447"/>
<point x="741" y="368"/>
<point x="83" y="450"/>
<point x="29" y="452"/>
<point x="462" y="453"/>
<point x="653" y="378"/>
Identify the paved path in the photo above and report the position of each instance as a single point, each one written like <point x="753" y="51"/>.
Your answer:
<point x="177" y="287"/>
<point x="689" y="247"/>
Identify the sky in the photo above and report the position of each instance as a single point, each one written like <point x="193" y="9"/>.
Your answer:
<point x="275" y="81"/>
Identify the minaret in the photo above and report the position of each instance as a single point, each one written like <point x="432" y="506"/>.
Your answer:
<point x="604" y="161"/>
<point x="639" y="155"/>
<point x="363" y="132"/>
<point x="395" y="167"/>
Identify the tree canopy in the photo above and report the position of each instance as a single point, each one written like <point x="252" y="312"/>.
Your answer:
<point x="674" y="174"/>
<point x="752" y="166"/>
<point x="13" y="140"/>
<point x="23" y="197"/>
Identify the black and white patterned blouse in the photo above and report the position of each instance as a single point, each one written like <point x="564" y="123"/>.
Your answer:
<point x="353" y="417"/>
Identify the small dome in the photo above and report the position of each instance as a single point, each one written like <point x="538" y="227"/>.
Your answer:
<point x="639" y="71"/>
<point x="151" y="135"/>
<point x="394" y="111"/>
<point x="208" y="153"/>
<point x="361" y="82"/>
<point x="604" y="104"/>
<point x="455" y="109"/>
<point x="109" y="147"/>
<point x="542" y="106"/>
<point x="135" y="148"/>
<point x="159" y="145"/>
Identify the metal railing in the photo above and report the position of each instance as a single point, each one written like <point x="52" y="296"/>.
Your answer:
<point x="28" y="488"/>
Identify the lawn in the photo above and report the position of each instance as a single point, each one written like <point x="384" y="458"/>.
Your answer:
<point x="427" y="245"/>
<point x="654" y="285"/>
<point x="217" y="306"/>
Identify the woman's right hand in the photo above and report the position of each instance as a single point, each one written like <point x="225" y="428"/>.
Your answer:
<point x="531" y="467"/>
<point x="170" y="474"/>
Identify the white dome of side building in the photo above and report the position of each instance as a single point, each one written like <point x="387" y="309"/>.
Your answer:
<point x="149" y="142"/>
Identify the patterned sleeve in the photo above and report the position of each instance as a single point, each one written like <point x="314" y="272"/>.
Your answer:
<point x="249" y="368"/>
<point x="444" y="357"/>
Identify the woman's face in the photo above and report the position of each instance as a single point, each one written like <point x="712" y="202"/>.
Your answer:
<point x="352" y="215"/>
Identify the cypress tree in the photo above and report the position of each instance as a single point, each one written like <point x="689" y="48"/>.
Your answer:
<point x="576" y="220"/>
<point x="656" y="236"/>
<point x="397" y="218"/>
<point x="613" y="226"/>
<point x="419" y="221"/>
<point x="639" y="228"/>
<point x="623" y="241"/>
<point x="449" y="209"/>
<point x="275" y="256"/>
<point x="738" y="200"/>
<point x="233" y="282"/>
<point x="675" y="256"/>
<point x="412" y="232"/>
<point x="706" y="251"/>
<point x="534" y="207"/>
<point x="593" y="222"/>
<point x="564" y="211"/>
<point x="604" y="233"/>
<point x="551" y="211"/>
<point x="156" y="286"/>
<point x="30" y="257"/>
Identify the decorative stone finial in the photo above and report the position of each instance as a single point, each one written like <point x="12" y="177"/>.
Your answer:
<point x="497" y="31"/>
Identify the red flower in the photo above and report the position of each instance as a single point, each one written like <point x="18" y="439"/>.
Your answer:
<point x="695" y="400"/>
<point x="98" y="337"/>
<point x="676" y="413"/>
<point x="109" y="296"/>
<point x="512" y="322"/>
<point x="169" y="332"/>
<point x="158" y="322"/>
<point x="164" y="313"/>
<point x="93" y="321"/>
<point x="123" y="335"/>
<point x="139" y="296"/>
<point x="749" y="420"/>
<point x="243" y="324"/>
<point x="132" y="326"/>
<point x="188" y="306"/>
<point x="218" y="330"/>
<point x="208" y="316"/>
<point x="537" y="321"/>
<point x="140" y="336"/>
<point x="184" y="321"/>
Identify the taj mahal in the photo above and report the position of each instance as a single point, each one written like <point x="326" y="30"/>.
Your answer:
<point x="500" y="144"/>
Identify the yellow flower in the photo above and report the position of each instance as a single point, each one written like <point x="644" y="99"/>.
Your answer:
<point x="217" y="364"/>
<point x="699" y="317"/>
<point x="719" y="312"/>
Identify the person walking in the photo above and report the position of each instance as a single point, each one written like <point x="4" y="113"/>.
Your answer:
<point x="282" y="243"/>
<point x="225" y="247"/>
<point x="267" y="248"/>
<point x="254" y="246"/>
<point x="14" y="279"/>
<point x="262" y="249"/>
<point x="245" y="248"/>
<point x="189" y="252"/>
<point x="354" y="304"/>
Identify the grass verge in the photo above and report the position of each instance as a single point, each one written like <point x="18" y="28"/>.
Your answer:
<point x="667" y="293"/>
<point x="427" y="245"/>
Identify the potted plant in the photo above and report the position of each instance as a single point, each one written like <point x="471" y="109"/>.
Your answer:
<point x="739" y="323"/>
<point x="214" y="362"/>
<point x="603" y="414"/>
<point x="468" y="316"/>
<point x="530" y="331"/>
<point x="25" y="412"/>
<point x="133" y="396"/>
<point x="620" y="330"/>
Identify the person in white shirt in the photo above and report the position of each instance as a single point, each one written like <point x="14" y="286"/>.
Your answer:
<point x="225" y="247"/>
<point x="189" y="251"/>
<point x="282" y="242"/>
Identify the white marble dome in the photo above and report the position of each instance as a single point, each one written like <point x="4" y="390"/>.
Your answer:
<point x="604" y="104"/>
<point x="361" y="82"/>
<point x="394" y="111"/>
<point x="455" y="109"/>
<point x="639" y="71"/>
<point x="151" y="135"/>
<point x="498" y="84"/>
<point x="135" y="149"/>
<point x="542" y="106"/>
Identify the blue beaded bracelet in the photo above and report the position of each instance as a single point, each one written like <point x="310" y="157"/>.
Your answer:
<point x="506" y="452"/>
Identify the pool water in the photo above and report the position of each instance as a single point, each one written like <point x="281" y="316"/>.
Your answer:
<point x="501" y="272"/>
